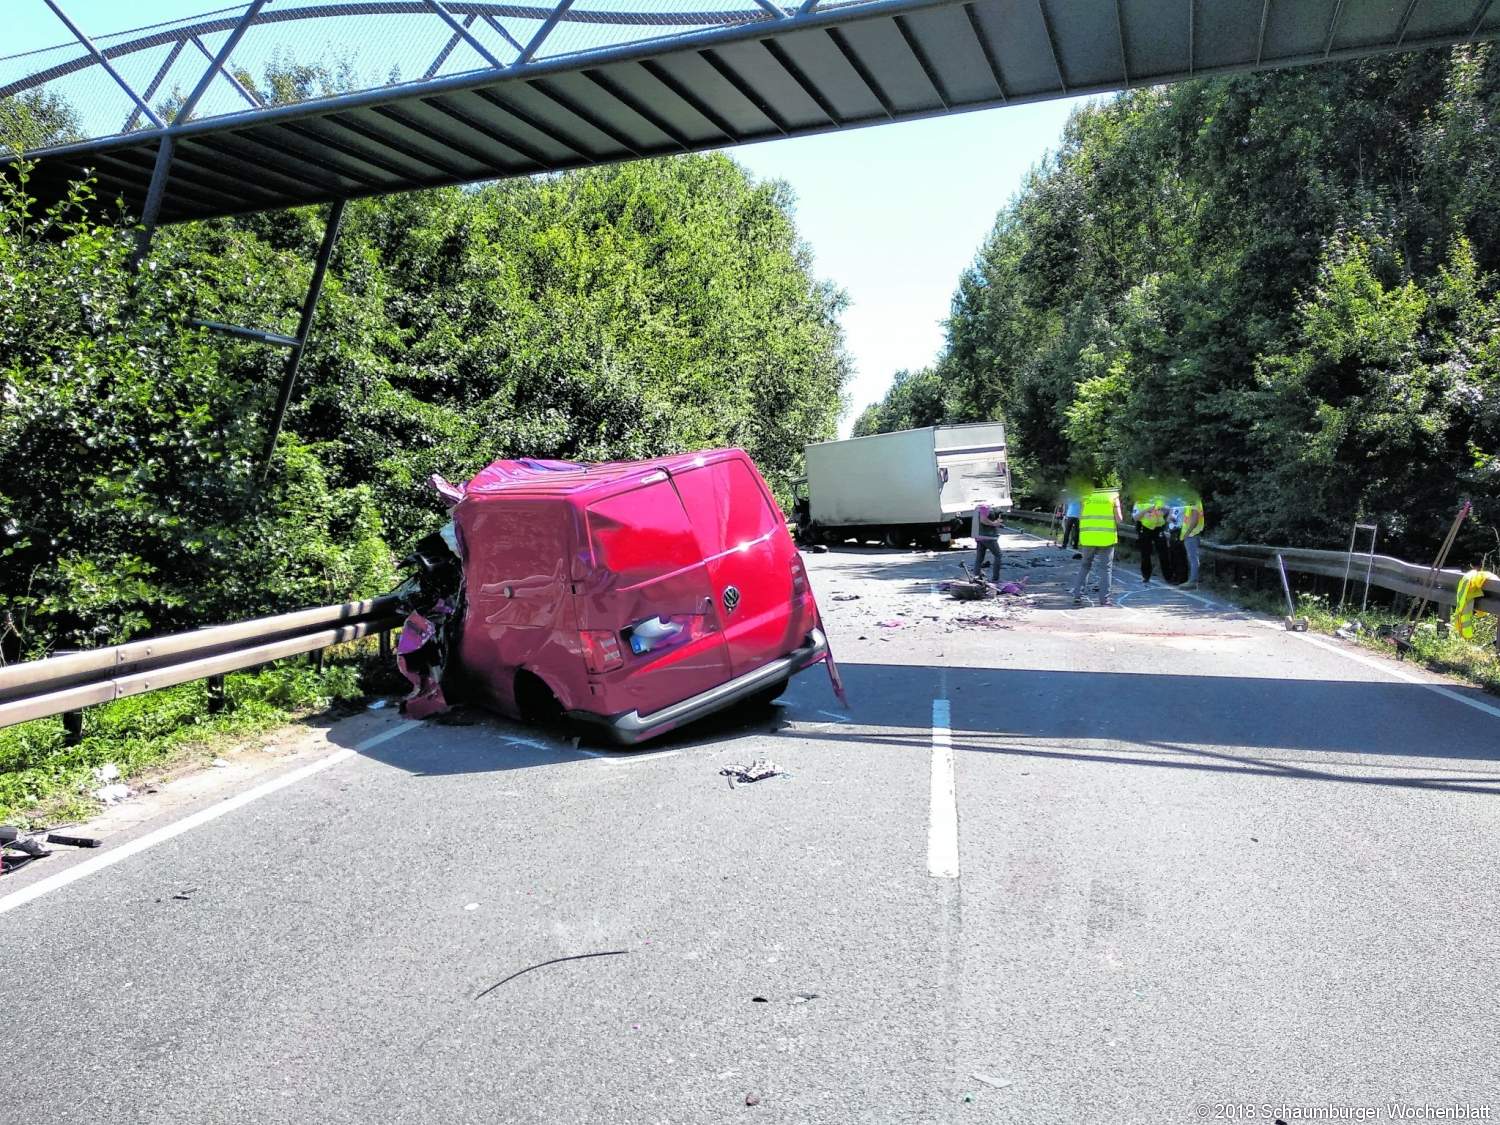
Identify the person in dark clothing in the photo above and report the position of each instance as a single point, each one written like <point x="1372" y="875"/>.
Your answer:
<point x="1150" y="515"/>
<point x="986" y="531"/>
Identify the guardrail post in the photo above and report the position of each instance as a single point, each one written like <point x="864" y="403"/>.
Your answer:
<point x="218" y="702"/>
<point x="72" y="727"/>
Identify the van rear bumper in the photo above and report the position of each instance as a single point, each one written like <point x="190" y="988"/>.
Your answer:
<point x="633" y="727"/>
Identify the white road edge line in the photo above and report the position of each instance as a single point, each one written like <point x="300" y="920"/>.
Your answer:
<point x="188" y="823"/>
<point x="1401" y="674"/>
<point x="942" y="822"/>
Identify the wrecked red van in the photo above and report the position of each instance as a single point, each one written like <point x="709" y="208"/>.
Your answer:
<point x="634" y="596"/>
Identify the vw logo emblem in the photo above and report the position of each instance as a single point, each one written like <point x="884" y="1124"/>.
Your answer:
<point x="731" y="597"/>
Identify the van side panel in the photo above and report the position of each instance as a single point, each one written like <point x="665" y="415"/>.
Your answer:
<point x="520" y="610"/>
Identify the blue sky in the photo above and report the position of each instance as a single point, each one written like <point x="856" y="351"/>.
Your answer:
<point x="893" y="214"/>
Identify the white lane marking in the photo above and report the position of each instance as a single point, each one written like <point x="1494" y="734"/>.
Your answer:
<point x="625" y="757"/>
<point x="835" y="715"/>
<point x="1401" y="674"/>
<point x="942" y="817"/>
<point x="188" y="823"/>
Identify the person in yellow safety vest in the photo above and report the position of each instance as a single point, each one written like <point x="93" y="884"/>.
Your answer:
<point x="1470" y="590"/>
<point x="1097" y="536"/>
<point x="1192" y="527"/>
<point x="1150" y="515"/>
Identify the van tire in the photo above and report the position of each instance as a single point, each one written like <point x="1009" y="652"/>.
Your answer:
<point x="535" y="701"/>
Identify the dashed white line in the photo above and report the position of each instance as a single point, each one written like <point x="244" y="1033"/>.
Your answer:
<point x="942" y="822"/>
<point x="188" y="823"/>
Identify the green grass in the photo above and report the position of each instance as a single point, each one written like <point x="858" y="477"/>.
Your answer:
<point x="45" y="781"/>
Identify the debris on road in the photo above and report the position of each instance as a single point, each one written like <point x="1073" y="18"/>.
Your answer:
<point x="113" y="794"/>
<point x="846" y="597"/>
<point x="758" y="770"/>
<point x="555" y="961"/>
<point x="752" y="1099"/>
<point x="988" y="1080"/>
<point x="803" y="997"/>
<point x="891" y="624"/>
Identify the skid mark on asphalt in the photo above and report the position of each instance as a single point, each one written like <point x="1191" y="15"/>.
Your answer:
<point x="203" y="816"/>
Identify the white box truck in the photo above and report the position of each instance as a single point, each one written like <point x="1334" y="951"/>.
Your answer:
<point x="911" y="486"/>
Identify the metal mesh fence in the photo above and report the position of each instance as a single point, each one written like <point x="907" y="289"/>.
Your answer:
<point x="54" y="89"/>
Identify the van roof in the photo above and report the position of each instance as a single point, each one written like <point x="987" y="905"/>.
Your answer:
<point x="528" y="477"/>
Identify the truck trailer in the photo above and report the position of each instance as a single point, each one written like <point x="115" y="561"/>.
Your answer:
<point x="911" y="486"/>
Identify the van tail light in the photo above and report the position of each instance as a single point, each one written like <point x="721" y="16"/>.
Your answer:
<point x="799" y="578"/>
<point x="601" y="650"/>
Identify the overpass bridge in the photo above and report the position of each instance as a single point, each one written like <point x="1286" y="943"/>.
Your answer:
<point x="483" y="90"/>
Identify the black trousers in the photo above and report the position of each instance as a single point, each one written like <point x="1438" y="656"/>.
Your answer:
<point x="1070" y="532"/>
<point x="1149" y="541"/>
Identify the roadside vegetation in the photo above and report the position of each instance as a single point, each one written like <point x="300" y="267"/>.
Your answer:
<point x="46" y="781"/>
<point x="1280" y="286"/>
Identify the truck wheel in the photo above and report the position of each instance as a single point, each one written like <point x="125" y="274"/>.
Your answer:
<point x="893" y="538"/>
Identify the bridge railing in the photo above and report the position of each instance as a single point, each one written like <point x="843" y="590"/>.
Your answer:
<point x="60" y="685"/>
<point x="1386" y="573"/>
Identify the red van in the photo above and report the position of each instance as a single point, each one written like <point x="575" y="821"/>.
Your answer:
<point x="637" y="596"/>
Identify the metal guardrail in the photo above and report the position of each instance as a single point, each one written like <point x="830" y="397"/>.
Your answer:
<point x="1386" y="573"/>
<point x="58" y="685"/>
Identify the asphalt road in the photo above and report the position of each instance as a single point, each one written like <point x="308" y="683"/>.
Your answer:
<point x="1198" y="861"/>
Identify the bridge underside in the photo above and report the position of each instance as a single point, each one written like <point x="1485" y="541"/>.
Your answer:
<point x="774" y="73"/>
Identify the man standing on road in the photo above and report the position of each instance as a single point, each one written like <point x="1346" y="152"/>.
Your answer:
<point x="1150" y="515"/>
<point x="1071" y="515"/>
<point x="986" y="529"/>
<point x="1192" y="527"/>
<point x="1097" y="536"/>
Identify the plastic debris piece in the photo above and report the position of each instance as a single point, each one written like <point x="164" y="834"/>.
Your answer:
<point x="377" y="705"/>
<point x="472" y="906"/>
<point x="803" y="997"/>
<point x="758" y="770"/>
<point x="891" y="624"/>
<point x="218" y="763"/>
<point x="752" y="1099"/>
<point x="846" y="597"/>
<point x="107" y="772"/>
<point x="990" y="1080"/>
<point x="112" y="794"/>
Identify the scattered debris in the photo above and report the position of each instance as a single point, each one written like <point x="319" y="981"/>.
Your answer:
<point x="377" y="704"/>
<point x="758" y="770"/>
<point x="219" y="763"/>
<point x="1349" y="630"/>
<point x="472" y="906"/>
<point x="183" y="896"/>
<point x="554" y="961"/>
<point x="846" y="597"/>
<point x="112" y="794"/>
<point x="803" y="997"/>
<point x="752" y="1099"/>
<point x="893" y="624"/>
<point x="988" y="1080"/>
<point x="759" y="1000"/>
<point x="107" y="772"/>
<point x="73" y="841"/>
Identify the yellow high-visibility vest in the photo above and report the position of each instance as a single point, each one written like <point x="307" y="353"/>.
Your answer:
<point x="1152" y="513"/>
<point x="1096" y="526"/>
<point x="1190" y="524"/>
<point x="1470" y="588"/>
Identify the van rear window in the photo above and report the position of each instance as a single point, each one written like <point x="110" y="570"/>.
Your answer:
<point x="727" y="505"/>
<point x="642" y="534"/>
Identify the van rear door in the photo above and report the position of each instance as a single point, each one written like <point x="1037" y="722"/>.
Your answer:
<point x="646" y="613"/>
<point x="759" y="585"/>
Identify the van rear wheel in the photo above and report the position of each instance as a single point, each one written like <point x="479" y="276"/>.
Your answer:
<point x="535" y="701"/>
